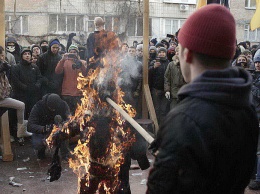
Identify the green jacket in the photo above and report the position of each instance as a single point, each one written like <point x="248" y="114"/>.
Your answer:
<point x="173" y="79"/>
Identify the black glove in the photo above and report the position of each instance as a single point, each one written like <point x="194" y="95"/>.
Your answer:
<point x="4" y="66"/>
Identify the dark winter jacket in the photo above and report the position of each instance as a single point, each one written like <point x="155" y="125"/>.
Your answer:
<point x="17" y="51"/>
<point x="47" y="63"/>
<point x="208" y="142"/>
<point x="41" y="115"/>
<point x="156" y="75"/>
<point x="26" y="80"/>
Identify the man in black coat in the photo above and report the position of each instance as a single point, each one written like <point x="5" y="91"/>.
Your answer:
<point x="47" y="63"/>
<point x="42" y="117"/>
<point x="208" y="142"/>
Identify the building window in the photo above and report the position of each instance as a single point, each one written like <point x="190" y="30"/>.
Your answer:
<point x="253" y="36"/>
<point x="66" y="23"/>
<point x="250" y="4"/>
<point x="16" y="24"/>
<point x="135" y="26"/>
<point x="172" y="26"/>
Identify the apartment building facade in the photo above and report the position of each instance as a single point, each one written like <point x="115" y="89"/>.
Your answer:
<point x="33" y="20"/>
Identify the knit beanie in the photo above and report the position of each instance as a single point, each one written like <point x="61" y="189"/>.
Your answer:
<point x="162" y="49"/>
<point x="26" y="50"/>
<point x="53" y="101"/>
<point x="159" y="44"/>
<point x="73" y="47"/>
<point x="55" y="41"/>
<point x="139" y="47"/>
<point x="211" y="31"/>
<point x="257" y="56"/>
<point x="152" y="48"/>
<point x="154" y="41"/>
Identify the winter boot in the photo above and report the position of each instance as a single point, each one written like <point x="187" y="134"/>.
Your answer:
<point x="22" y="130"/>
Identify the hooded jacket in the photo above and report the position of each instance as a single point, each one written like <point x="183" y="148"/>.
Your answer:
<point x="17" y="51"/>
<point x="41" y="115"/>
<point x="208" y="142"/>
<point x="47" y="63"/>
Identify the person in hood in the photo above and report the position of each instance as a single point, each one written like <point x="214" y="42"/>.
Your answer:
<point x="44" y="45"/>
<point x="255" y="184"/>
<point x="14" y="48"/>
<point x="152" y="53"/>
<point x="26" y="81"/>
<point x="51" y="109"/>
<point x="205" y="140"/>
<point x="47" y="63"/>
<point x="157" y="70"/>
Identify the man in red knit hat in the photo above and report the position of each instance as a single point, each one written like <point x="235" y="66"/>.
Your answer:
<point x="207" y="143"/>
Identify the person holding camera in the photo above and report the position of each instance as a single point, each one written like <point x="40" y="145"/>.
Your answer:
<point x="44" y="114"/>
<point x="70" y="66"/>
<point x="9" y="103"/>
<point x="157" y="70"/>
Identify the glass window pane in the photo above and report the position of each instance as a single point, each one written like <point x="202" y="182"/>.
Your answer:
<point x="251" y="35"/>
<point x="7" y="23"/>
<point x="80" y="25"/>
<point x="91" y="26"/>
<point x="168" y="27"/>
<point x="150" y="27"/>
<point x="252" y="3"/>
<point x="140" y="26"/>
<point x="131" y="27"/>
<point x="16" y="25"/>
<point x="116" y="24"/>
<point x="25" y="24"/>
<point x="70" y="23"/>
<point x="246" y="3"/>
<point x="62" y="23"/>
<point x="258" y="34"/>
<point x="52" y="23"/>
<point x="108" y="23"/>
<point x="174" y="26"/>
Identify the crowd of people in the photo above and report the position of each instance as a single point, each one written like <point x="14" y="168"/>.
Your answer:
<point x="200" y="88"/>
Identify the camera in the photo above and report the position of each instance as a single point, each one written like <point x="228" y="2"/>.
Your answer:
<point x="77" y="64"/>
<point x="4" y="66"/>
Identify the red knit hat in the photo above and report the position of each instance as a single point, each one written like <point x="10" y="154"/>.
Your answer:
<point x="211" y="30"/>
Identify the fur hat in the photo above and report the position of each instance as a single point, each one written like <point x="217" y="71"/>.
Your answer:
<point x="154" y="41"/>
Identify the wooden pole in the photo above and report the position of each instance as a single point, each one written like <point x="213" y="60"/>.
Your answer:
<point x="2" y="23"/>
<point x="138" y="127"/>
<point x="145" y="54"/>
<point x="147" y="103"/>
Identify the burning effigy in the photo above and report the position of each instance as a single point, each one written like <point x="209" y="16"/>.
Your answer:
<point x="105" y="136"/>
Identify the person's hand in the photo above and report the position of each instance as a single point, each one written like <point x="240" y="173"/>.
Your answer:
<point x="136" y="94"/>
<point x="168" y="95"/>
<point x="65" y="56"/>
<point x="71" y="35"/>
<point x="156" y="64"/>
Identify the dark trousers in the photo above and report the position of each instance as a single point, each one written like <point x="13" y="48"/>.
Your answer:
<point x="161" y="104"/>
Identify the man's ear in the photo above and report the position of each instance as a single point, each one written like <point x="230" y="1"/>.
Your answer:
<point x="188" y="55"/>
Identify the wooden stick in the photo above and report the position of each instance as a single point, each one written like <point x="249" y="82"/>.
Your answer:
<point x="138" y="127"/>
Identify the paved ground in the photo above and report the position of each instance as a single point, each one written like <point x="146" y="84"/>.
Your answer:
<point x="34" y="176"/>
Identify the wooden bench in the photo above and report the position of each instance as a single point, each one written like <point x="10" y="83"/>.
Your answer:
<point x="6" y="148"/>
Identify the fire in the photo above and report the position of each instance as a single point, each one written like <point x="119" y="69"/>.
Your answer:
<point x="98" y="170"/>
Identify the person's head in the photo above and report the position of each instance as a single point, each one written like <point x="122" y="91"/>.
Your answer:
<point x="173" y="44"/>
<point x="257" y="60"/>
<point x="159" y="45"/>
<point x="44" y="45"/>
<point x="26" y="55"/>
<point x="36" y="50"/>
<point x="124" y="48"/>
<point x="248" y="54"/>
<point x="242" y="61"/>
<point x="139" y="50"/>
<point x="248" y="44"/>
<point x="170" y="53"/>
<point x="152" y="52"/>
<point x="207" y="40"/>
<point x="53" y="102"/>
<point x="177" y="51"/>
<point x="73" y="49"/>
<point x="2" y="54"/>
<point x="162" y="52"/>
<point x="99" y="23"/>
<point x="55" y="46"/>
<point x="153" y="42"/>
<point x="131" y="51"/>
<point x="165" y="43"/>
